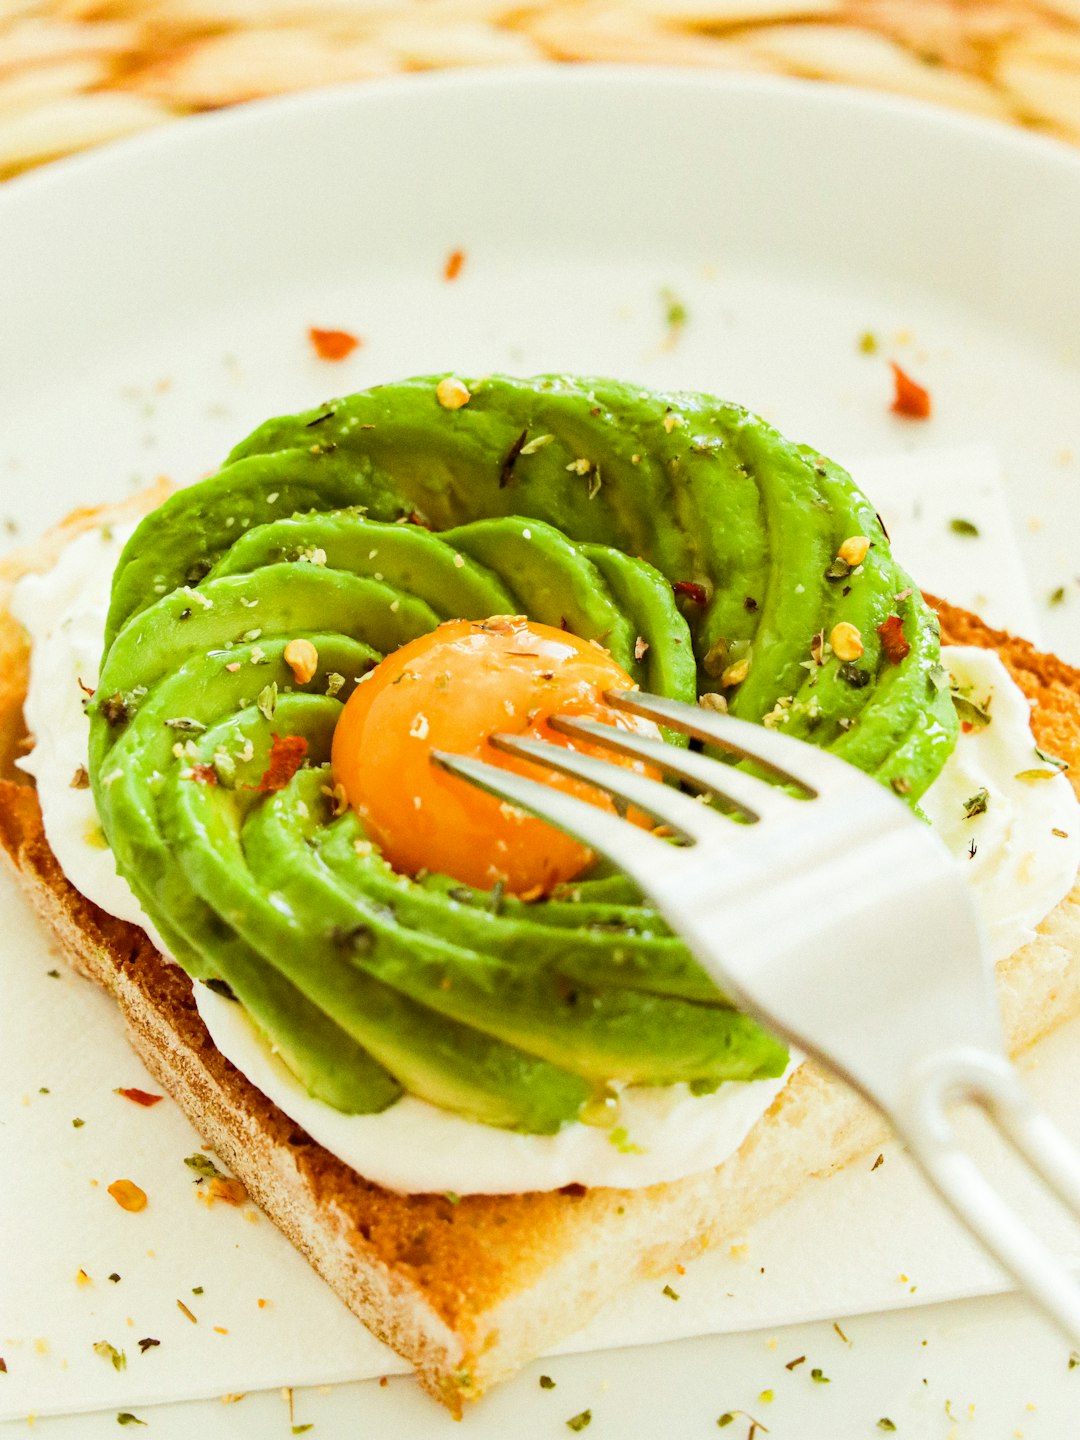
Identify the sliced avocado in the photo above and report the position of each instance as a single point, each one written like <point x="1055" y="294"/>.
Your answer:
<point x="677" y="530"/>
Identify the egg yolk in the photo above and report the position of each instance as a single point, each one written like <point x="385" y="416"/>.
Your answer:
<point x="451" y="690"/>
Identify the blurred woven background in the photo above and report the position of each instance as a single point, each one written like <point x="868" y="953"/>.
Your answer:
<point x="75" y="73"/>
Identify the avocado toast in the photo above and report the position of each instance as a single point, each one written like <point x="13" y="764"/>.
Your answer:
<point x="584" y="502"/>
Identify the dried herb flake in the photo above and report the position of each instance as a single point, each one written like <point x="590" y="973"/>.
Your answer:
<point x="110" y="1352"/>
<point x="977" y="804"/>
<point x="203" y="1166"/>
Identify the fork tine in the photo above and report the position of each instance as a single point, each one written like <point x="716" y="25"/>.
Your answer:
<point x="789" y="760"/>
<point x="755" y="798"/>
<point x="688" y="817"/>
<point x="637" y="852"/>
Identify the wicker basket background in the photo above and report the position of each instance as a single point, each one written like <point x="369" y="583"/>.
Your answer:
<point x="77" y="73"/>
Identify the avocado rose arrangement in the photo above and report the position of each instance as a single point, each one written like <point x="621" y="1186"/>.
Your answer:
<point x="706" y="554"/>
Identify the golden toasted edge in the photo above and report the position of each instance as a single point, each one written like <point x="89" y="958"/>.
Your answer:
<point x="470" y="1291"/>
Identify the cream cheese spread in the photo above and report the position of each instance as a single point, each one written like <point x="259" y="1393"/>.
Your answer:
<point x="1018" y="839"/>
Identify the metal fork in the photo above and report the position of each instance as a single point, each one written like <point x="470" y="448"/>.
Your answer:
<point x="835" y="917"/>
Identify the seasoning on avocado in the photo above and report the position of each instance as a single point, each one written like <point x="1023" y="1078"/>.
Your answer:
<point x="536" y="444"/>
<point x="846" y="641"/>
<point x="506" y="469"/>
<point x="692" y="590"/>
<point x="302" y="659"/>
<point x="452" y="393"/>
<point x="854" y="550"/>
<point x="893" y="640"/>
<point x="287" y="754"/>
<point x="855" y="676"/>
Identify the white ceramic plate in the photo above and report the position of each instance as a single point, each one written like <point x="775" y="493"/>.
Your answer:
<point x="155" y="300"/>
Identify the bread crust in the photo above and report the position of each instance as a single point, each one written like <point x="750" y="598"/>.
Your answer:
<point x="468" y="1292"/>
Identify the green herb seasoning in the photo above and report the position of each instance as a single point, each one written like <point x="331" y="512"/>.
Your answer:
<point x="204" y="1167"/>
<point x="963" y="527"/>
<point x="110" y="1352"/>
<point x="580" y="1422"/>
<point x="977" y="804"/>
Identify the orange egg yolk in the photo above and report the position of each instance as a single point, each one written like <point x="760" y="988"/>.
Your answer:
<point x="451" y="690"/>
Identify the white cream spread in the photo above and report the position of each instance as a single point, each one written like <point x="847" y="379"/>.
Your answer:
<point x="1027" y="851"/>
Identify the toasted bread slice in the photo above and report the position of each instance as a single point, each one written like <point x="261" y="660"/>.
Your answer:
<point x="469" y="1292"/>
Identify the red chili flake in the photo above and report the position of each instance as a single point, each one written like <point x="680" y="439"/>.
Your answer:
<point x="332" y="344"/>
<point x="454" y="261"/>
<point x="3" y="1366"/>
<point x="286" y="756"/>
<point x="141" y="1097"/>
<point x="692" y="590"/>
<point x="893" y="640"/>
<point x="205" y="774"/>
<point x="415" y="518"/>
<point x="86" y="690"/>
<point x="910" y="399"/>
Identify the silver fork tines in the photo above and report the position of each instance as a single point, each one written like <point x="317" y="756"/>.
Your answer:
<point x="837" y="918"/>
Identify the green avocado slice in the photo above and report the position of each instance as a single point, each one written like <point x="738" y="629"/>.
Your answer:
<point x="678" y="530"/>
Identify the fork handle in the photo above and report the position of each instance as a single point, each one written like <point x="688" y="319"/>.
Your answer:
<point x="991" y="1082"/>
